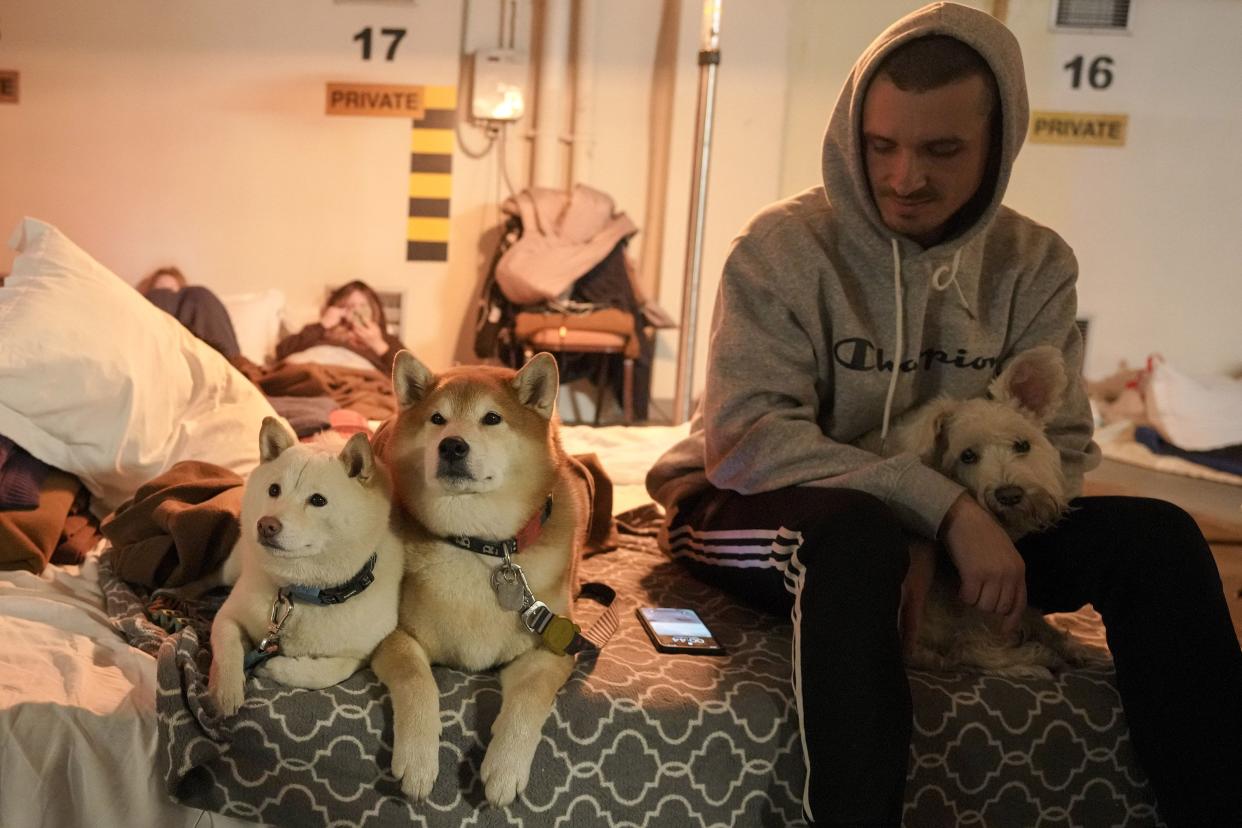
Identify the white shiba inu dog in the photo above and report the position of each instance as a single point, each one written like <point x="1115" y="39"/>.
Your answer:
<point x="996" y="448"/>
<point x="497" y="519"/>
<point x="321" y="567"/>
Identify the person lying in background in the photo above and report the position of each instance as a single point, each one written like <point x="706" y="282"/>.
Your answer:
<point x="350" y="332"/>
<point x="194" y="306"/>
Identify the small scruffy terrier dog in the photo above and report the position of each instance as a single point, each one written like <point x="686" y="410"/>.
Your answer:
<point x="997" y="449"/>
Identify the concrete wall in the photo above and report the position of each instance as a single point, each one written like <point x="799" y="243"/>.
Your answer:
<point x="194" y="134"/>
<point x="1154" y="223"/>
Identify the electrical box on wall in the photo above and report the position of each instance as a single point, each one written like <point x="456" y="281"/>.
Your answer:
<point x="497" y="90"/>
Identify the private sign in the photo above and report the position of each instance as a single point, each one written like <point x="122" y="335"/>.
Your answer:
<point x="379" y="100"/>
<point x="1078" y="128"/>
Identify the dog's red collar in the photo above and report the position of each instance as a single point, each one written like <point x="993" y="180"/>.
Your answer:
<point x="527" y="535"/>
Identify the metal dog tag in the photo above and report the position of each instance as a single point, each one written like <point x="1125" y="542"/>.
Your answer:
<point x="510" y="586"/>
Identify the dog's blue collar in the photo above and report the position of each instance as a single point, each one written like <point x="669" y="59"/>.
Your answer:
<point x="339" y="594"/>
<point x="282" y="606"/>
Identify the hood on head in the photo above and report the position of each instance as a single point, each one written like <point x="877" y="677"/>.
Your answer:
<point x="845" y="177"/>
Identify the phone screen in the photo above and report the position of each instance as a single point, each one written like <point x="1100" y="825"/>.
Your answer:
<point x="678" y="630"/>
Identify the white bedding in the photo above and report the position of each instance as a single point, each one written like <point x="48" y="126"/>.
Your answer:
<point x="77" y="704"/>
<point x="1117" y="443"/>
<point x="77" y="711"/>
<point x="98" y="382"/>
<point x="627" y="452"/>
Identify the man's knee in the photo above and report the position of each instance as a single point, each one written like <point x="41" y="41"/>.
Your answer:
<point x="1150" y="518"/>
<point x="1164" y="535"/>
<point x="859" y="535"/>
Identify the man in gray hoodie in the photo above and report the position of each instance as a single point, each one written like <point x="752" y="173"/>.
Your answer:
<point x="901" y="279"/>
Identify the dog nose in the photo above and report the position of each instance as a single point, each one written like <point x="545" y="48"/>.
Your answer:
<point x="453" y="448"/>
<point x="269" y="527"/>
<point x="1009" y="495"/>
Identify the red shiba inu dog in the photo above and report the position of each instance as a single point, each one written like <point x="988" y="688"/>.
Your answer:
<point x="495" y="520"/>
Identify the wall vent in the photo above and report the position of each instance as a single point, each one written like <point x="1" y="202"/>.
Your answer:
<point x="1091" y="15"/>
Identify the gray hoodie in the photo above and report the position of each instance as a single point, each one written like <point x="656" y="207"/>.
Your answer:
<point x="806" y="322"/>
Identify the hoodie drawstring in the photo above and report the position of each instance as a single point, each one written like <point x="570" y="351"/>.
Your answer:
<point x="901" y="321"/>
<point x="936" y="285"/>
<point x="900" y="344"/>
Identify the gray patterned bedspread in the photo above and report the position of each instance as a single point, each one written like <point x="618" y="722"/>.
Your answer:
<point x="637" y="737"/>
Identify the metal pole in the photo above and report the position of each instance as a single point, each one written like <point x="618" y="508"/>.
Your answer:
<point x="709" y="59"/>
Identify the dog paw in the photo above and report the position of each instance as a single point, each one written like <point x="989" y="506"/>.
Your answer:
<point x="1024" y="672"/>
<point x="293" y="672"/>
<point x="310" y="672"/>
<point x="504" y="776"/>
<point x="416" y="762"/>
<point x="276" y="669"/>
<point x="418" y="780"/>
<point x="228" y="692"/>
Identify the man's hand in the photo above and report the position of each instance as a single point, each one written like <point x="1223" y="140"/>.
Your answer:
<point x="993" y="573"/>
<point x="914" y="589"/>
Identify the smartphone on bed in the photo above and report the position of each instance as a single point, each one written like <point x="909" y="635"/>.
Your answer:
<point x="677" y="630"/>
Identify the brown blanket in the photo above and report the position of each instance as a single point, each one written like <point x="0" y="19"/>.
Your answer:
<point x="59" y="528"/>
<point x="181" y="525"/>
<point x="362" y="390"/>
<point x="178" y="526"/>
<point x="601" y="535"/>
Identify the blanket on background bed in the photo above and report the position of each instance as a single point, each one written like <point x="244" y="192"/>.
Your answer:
<point x="635" y="737"/>
<point x="365" y="391"/>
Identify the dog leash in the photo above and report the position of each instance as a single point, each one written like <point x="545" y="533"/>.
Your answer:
<point x="607" y="622"/>
<point x="269" y="647"/>
<point x="561" y="635"/>
<point x="282" y="608"/>
<point x="558" y="633"/>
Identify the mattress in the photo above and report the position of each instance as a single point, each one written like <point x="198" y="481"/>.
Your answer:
<point x="77" y="711"/>
<point x="99" y="732"/>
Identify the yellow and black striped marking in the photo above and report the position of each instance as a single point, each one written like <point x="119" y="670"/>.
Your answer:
<point x="431" y="177"/>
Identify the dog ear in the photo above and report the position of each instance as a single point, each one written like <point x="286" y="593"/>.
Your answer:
<point x="358" y="458"/>
<point x="927" y="433"/>
<point x="274" y="438"/>
<point x="411" y="380"/>
<point x="1034" y="379"/>
<point x="537" y="384"/>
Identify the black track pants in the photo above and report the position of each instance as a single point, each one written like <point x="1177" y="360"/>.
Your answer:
<point x="835" y="559"/>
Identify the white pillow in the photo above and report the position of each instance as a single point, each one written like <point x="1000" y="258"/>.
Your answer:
<point x="97" y="381"/>
<point x="1195" y="413"/>
<point x="256" y="320"/>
